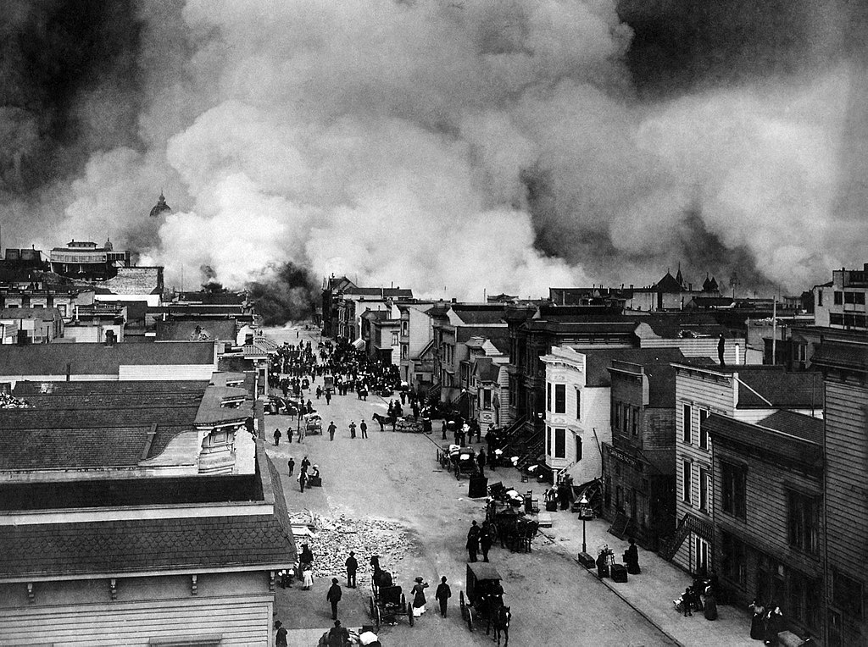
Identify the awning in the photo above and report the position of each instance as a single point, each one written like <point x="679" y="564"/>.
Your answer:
<point x="359" y="344"/>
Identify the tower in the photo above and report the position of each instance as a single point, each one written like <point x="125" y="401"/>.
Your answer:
<point x="161" y="207"/>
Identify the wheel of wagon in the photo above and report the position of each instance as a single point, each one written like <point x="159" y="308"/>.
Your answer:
<point x="378" y="619"/>
<point x="470" y="618"/>
<point x="373" y="608"/>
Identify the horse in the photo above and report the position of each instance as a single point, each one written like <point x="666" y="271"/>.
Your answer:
<point x="498" y="617"/>
<point x="382" y="420"/>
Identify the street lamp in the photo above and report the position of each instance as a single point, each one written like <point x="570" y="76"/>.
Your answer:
<point x="586" y="513"/>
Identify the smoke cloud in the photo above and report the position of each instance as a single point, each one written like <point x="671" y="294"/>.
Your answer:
<point x="289" y="294"/>
<point x="447" y="146"/>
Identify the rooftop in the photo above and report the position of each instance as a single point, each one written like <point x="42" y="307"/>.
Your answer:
<point x="160" y="544"/>
<point x="99" y="359"/>
<point x="782" y="389"/>
<point x="211" y="330"/>
<point x="772" y="443"/>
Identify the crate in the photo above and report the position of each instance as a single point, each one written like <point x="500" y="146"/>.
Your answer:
<point x="619" y="572"/>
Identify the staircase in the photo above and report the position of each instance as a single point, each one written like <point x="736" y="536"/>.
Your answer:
<point x="512" y="434"/>
<point x="689" y="523"/>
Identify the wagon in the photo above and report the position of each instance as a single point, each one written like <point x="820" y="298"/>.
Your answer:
<point x="388" y="602"/>
<point x="483" y="594"/>
<point x="463" y="461"/>
<point x="407" y="424"/>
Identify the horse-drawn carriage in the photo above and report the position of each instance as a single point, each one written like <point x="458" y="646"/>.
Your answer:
<point x="483" y="601"/>
<point x="461" y="461"/>
<point x="507" y="521"/>
<point x="388" y="601"/>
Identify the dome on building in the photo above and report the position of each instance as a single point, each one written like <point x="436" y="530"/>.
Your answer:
<point x="108" y="244"/>
<point x="161" y="207"/>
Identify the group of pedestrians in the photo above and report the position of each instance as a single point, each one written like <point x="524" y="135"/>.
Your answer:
<point x="478" y="538"/>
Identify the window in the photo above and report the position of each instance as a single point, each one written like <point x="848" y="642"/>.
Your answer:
<point x="404" y="351"/>
<point x="486" y="398"/>
<point x="703" y="432"/>
<point x="560" y="398"/>
<point x="803" y="521"/>
<point x="405" y="328"/>
<point x="578" y="404"/>
<point x="734" y="559"/>
<point x="687" y="476"/>
<point x="548" y="397"/>
<point x="820" y="298"/>
<point x="560" y="443"/>
<point x="635" y="421"/>
<point x="626" y="418"/>
<point x="616" y="415"/>
<point x="854" y="297"/>
<point x="839" y="298"/>
<point x="704" y="487"/>
<point x="847" y="595"/>
<point x="802" y="596"/>
<point x="549" y="441"/>
<point x="688" y="432"/>
<point x="836" y="319"/>
<point x="733" y="495"/>
<point x="578" y="448"/>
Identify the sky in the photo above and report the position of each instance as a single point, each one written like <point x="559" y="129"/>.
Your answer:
<point x="447" y="146"/>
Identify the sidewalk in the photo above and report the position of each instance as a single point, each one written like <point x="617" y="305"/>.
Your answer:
<point x="652" y="592"/>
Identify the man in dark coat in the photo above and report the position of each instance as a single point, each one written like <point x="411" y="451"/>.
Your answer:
<point x="480" y="459"/>
<point x="291" y="464"/>
<point x="473" y="541"/>
<point x="352" y="566"/>
<point x="363" y="427"/>
<point x="485" y="540"/>
<point x="334" y="596"/>
<point x="332" y="430"/>
<point x="277" y="436"/>
<point x="443" y="594"/>
<point x="338" y="636"/>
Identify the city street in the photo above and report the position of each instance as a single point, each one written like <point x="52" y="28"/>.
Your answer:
<point x="394" y="476"/>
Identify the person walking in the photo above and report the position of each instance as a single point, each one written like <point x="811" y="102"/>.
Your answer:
<point x="289" y="435"/>
<point x="443" y="594"/>
<point x="443" y="429"/>
<point x="472" y="544"/>
<point x="480" y="460"/>
<point x="332" y="430"/>
<point x="302" y="480"/>
<point x="363" y="427"/>
<point x="352" y="566"/>
<point x="291" y="464"/>
<point x="352" y="428"/>
<point x="334" y="596"/>
<point x="328" y="396"/>
<point x="485" y="540"/>
<point x="277" y="436"/>
<point x="419" y="600"/>
<point x="280" y="638"/>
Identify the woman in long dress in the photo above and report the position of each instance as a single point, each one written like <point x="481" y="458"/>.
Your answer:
<point x="419" y="596"/>
<point x="757" y="623"/>
<point x="308" y="578"/>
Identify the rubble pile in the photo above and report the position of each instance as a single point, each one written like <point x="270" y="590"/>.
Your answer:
<point x="332" y="539"/>
<point x="8" y="401"/>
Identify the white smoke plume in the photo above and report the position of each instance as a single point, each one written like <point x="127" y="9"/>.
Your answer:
<point x="450" y="146"/>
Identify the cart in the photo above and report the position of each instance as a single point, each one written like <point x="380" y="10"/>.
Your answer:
<point x="463" y="461"/>
<point x="388" y="603"/>
<point x="312" y="423"/>
<point x="483" y="594"/>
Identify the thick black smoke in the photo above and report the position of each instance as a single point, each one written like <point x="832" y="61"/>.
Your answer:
<point x="290" y="295"/>
<point x="69" y="85"/>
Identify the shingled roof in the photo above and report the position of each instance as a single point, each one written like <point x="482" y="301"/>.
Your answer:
<point x="99" y="359"/>
<point x="152" y="545"/>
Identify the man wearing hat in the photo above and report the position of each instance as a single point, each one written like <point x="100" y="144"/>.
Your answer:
<point x="443" y="594"/>
<point x="352" y="566"/>
<point x="334" y="596"/>
<point x="338" y="635"/>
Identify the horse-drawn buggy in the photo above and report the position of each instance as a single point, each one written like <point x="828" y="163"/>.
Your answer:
<point x="483" y="601"/>
<point x="461" y="461"/>
<point x="388" y="601"/>
<point x="408" y="424"/>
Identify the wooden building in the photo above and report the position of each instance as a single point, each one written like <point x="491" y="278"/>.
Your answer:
<point x="845" y="367"/>
<point x="744" y="393"/>
<point x="768" y="497"/>
<point x="639" y="462"/>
